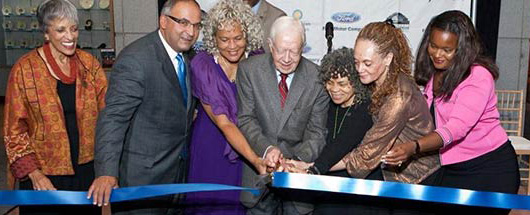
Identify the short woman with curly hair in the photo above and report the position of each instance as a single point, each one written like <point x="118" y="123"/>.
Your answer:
<point x="218" y="148"/>
<point x="348" y="121"/>
<point x="348" y="116"/>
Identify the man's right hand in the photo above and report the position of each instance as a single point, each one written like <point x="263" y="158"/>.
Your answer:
<point x="273" y="158"/>
<point x="40" y="181"/>
<point x="101" y="189"/>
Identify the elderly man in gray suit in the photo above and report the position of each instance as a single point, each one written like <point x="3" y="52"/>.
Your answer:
<point x="143" y="132"/>
<point x="282" y="111"/>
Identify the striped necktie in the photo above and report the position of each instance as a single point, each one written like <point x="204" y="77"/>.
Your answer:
<point x="282" y="86"/>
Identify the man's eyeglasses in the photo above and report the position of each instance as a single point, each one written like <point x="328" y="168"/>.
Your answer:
<point x="185" y="23"/>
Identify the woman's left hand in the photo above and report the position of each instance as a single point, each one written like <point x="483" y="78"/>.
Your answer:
<point x="260" y="166"/>
<point x="399" y="154"/>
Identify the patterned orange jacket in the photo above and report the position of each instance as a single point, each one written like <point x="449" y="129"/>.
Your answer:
<point x="34" y="128"/>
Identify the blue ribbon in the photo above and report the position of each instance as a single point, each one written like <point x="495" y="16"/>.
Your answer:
<point x="31" y="197"/>
<point x="286" y="180"/>
<point x="400" y="190"/>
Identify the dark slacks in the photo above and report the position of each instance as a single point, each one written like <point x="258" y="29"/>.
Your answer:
<point x="496" y="171"/>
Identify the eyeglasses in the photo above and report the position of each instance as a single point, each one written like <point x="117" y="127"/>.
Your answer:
<point x="185" y="23"/>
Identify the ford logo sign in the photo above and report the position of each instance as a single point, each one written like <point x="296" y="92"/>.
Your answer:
<point x="346" y="17"/>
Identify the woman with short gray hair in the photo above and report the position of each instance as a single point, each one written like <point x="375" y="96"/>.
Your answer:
<point x="53" y="97"/>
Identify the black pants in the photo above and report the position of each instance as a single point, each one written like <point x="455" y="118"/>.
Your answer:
<point x="79" y="182"/>
<point x="496" y="171"/>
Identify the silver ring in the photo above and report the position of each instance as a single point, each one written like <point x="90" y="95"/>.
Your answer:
<point x="400" y="162"/>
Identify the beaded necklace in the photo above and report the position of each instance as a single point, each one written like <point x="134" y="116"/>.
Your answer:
<point x="57" y="70"/>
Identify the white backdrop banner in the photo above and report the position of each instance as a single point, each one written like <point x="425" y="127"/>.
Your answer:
<point x="349" y="16"/>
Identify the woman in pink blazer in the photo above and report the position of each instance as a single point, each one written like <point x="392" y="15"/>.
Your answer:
<point x="460" y="89"/>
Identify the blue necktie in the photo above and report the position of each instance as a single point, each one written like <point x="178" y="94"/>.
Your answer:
<point x="181" y="72"/>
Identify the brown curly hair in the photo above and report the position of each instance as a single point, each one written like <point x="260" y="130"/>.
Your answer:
<point x="388" y="39"/>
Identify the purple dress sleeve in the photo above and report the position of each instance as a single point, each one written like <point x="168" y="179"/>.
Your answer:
<point x="210" y="86"/>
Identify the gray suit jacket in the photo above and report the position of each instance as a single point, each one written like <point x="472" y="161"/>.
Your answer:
<point x="268" y="13"/>
<point x="142" y="134"/>
<point x="299" y="130"/>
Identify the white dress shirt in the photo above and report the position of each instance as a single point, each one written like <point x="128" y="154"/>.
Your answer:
<point x="172" y="53"/>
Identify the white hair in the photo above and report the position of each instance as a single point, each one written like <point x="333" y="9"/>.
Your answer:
<point x="50" y="10"/>
<point x="286" y="24"/>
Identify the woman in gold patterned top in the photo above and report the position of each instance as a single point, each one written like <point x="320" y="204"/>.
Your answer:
<point x="54" y="94"/>
<point x="383" y="61"/>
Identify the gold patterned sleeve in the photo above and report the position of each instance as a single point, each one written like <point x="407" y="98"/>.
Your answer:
<point x="101" y="85"/>
<point x="20" y="153"/>
<point x="388" y="125"/>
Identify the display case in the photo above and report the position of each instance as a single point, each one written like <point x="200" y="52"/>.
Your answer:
<point x="21" y="33"/>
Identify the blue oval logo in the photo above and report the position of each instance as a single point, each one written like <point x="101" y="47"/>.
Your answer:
<point x="347" y="17"/>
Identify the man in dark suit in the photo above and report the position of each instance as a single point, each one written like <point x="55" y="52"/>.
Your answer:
<point x="267" y="13"/>
<point x="282" y="112"/>
<point x="143" y="132"/>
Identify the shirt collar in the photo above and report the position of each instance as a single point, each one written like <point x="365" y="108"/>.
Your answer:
<point x="256" y="7"/>
<point x="289" y="76"/>
<point x="172" y="53"/>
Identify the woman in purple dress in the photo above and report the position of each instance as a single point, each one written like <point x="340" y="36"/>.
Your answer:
<point x="217" y="147"/>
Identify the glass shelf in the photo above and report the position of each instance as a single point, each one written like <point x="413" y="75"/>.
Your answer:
<point x="22" y="15"/>
<point x="23" y="39"/>
<point x="18" y="30"/>
<point x="18" y="48"/>
<point x="94" y="29"/>
<point x="91" y="9"/>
